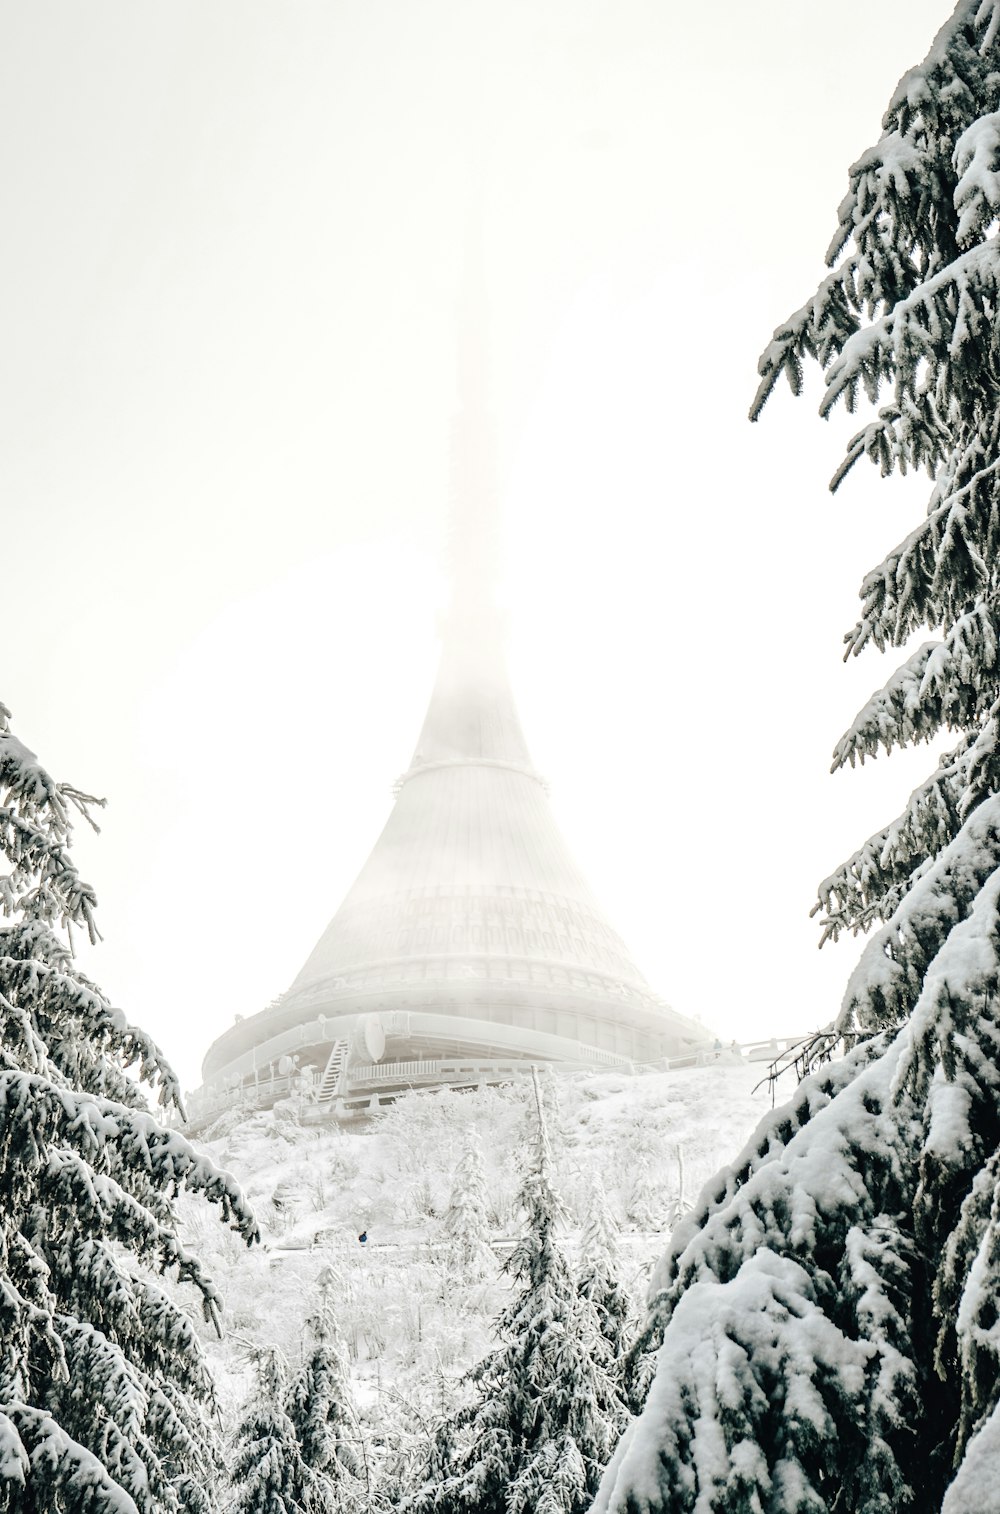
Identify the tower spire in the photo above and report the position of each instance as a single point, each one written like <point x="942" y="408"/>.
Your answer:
<point x="472" y="716"/>
<point x="475" y="511"/>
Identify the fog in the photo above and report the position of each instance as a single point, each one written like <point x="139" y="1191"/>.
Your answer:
<point x="231" y="303"/>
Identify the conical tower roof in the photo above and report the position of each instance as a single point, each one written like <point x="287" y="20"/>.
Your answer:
<point x="471" y="876"/>
<point x="470" y="906"/>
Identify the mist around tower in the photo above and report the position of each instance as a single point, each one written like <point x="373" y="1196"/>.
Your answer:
<point x="470" y="949"/>
<point x="421" y="793"/>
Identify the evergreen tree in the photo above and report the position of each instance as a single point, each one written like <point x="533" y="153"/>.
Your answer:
<point x="321" y="1411"/>
<point x="466" y="1220"/>
<point x="269" y="1474"/>
<point x="542" y="1412"/>
<point x="646" y="1204"/>
<point x="599" y="1275"/>
<point x="103" y="1386"/>
<point x="829" y="1312"/>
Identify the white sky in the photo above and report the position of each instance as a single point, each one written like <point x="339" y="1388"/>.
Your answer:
<point x="228" y="287"/>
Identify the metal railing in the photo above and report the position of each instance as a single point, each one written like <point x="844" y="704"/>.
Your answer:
<point x="367" y="1079"/>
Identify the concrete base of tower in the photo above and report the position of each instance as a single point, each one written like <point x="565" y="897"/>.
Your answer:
<point x="335" y="1065"/>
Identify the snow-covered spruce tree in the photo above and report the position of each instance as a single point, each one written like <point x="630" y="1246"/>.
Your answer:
<point x="321" y="1411"/>
<point x="543" y="1412"/>
<point x="646" y="1203"/>
<point x="103" y="1386"/>
<point x="466" y="1220"/>
<point x="269" y="1474"/>
<point x="829" y="1313"/>
<point x="599" y="1274"/>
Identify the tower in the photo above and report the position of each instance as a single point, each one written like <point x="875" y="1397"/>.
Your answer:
<point x="470" y="943"/>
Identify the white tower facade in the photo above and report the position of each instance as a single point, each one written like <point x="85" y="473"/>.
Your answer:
<point x="470" y="941"/>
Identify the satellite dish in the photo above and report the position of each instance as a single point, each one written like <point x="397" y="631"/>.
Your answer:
<point x="373" y="1032"/>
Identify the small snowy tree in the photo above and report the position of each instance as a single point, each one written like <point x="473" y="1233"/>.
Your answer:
<point x="103" y="1385"/>
<point x="466" y="1222"/>
<point x="829" y="1313"/>
<point x="599" y="1275"/>
<point x="321" y="1410"/>
<point x="543" y="1411"/>
<point x="269" y="1474"/>
<point x="646" y="1203"/>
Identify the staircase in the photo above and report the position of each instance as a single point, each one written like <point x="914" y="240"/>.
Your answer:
<point x="332" y="1081"/>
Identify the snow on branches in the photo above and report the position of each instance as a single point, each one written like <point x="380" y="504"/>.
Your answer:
<point x="827" y="1316"/>
<point x="793" y="1302"/>
<point x="541" y="1412"/>
<point x="466" y="1220"/>
<point x="103" y="1386"/>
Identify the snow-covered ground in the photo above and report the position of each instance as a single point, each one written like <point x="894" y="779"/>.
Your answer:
<point x="410" y="1326"/>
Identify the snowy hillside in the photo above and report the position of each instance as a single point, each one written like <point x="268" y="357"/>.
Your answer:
<point x="411" y="1327"/>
